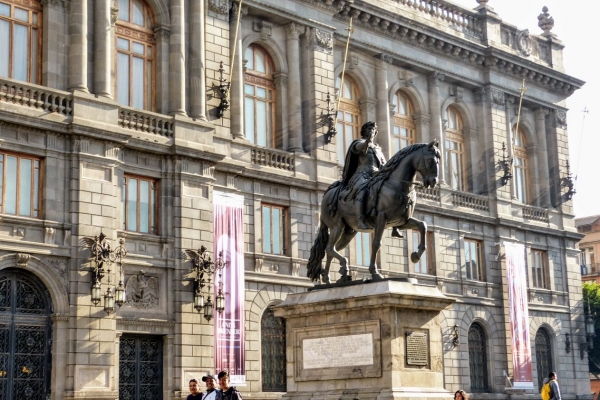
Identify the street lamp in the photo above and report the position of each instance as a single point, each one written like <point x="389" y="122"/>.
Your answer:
<point x="101" y="262"/>
<point x="590" y="329"/>
<point x="204" y="270"/>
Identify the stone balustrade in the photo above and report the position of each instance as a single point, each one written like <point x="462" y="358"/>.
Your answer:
<point x="34" y="96"/>
<point x="145" y="121"/>
<point x="470" y="200"/>
<point x="273" y="158"/>
<point x="447" y="13"/>
<point x="535" y="214"/>
<point x="432" y="194"/>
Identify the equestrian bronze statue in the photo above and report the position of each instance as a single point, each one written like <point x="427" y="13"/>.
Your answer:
<point x="371" y="196"/>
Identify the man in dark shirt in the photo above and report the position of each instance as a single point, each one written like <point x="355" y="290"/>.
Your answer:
<point x="227" y="392"/>
<point x="195" y="393"/>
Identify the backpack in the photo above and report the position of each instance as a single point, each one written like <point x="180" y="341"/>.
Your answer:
<point x="546" y="391"/>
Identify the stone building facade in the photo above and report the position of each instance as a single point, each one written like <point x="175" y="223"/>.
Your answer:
<point x="109" y="122"/>
<point x="589" y="246"/>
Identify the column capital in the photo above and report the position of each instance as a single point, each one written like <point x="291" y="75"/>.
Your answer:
<point x="234" y="11"/>
<point x="55" y="3"/>
<point x="281" y="79"/>
<point x="386" y="58"/>
<point x="161" y="32"/>
<point x="421" y="118"/>
<point x="435" y="78"/>
<point x="480" y="94"/>
<point x="293" y="31"/>
<point x="541" y="112"/>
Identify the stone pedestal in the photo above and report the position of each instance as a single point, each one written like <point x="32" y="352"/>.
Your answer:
<point x="378" y="340"/>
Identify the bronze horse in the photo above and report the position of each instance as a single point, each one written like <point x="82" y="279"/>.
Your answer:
<point x="391" y="203"/>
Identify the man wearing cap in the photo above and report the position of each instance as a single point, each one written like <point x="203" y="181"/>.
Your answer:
<point x="211" y="392"/>
<point x="227" y="392"/>
<point x="195" y="393"/>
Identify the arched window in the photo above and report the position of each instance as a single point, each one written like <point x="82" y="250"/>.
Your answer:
<point x="478" y="359"/>
<point x="543" y="355"/>
<point x="259" y="90"/>
<point x="273" y="357"/>
<point x="135" y="55"/>
<point x="454" y="148"/>
<point x="348" y="119"/>
<point x="404" y="127"/>
<point x="21" y="40"/>
<point x="521" y="164"/>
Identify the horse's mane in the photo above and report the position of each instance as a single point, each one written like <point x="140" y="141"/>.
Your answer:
<point x="393" y="162"/>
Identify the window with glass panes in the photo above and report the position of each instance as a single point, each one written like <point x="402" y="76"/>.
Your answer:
<point x="478" y="358"/>
<point x="473" y="260"/>
<point x="274" y="229"/>
<point x="259" y="97"/>
<point x="539" y="268"/>
<point x="404" y="127"/>
<point x="362" y="242"/>
<point x="140" y="205"/>
<point x="348" y="118"/>
<point x="454" y="150"/>
<point x="21" y="40"/>
<point x="20" y="182"/>
<point x="135" y="55"/>
<point x="520" y="162"/>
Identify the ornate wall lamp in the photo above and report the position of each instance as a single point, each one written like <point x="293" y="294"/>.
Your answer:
<point x="204" y="270"/>
<point x="590" y="331"/>
<point x="568" y="343"/>
<point x="101" y="262"/>
<point x="222" y="91"/>
<point x="455" y="338"/>
<point x="328" y="119"/>
<point x="568" y="182"/>
<point x="505" y="165"/>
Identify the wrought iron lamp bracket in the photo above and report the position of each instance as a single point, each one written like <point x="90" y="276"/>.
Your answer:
<point x="455" y="337"/>
<point x="328" y="119"/>
<point x="568" y="182"/>
<point x="222" y="91"/>
<point x="505" y="165"/>
<point x="204" y="269"/>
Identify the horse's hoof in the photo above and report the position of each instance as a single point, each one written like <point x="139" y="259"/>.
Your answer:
<point x="415" y="257"/>
<point x="326" y="281"/>
<point x="345" y="278"/>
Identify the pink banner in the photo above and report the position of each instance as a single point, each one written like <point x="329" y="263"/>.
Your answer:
<point x="228" y="213"/>
<point x="516" y="279"/>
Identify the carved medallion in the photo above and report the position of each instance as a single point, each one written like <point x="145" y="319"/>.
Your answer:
<point x="523" y="42"/>
<point x="219" y="6"/>
<point x="561" y="119"/>
<point x="497" y="97"/>
<point x="142" y="291"/>
<point x="324" y="39"/>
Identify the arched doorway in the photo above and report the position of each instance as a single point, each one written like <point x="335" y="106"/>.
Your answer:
<point x="25" y="337"/>
<point x="543" y="355"/>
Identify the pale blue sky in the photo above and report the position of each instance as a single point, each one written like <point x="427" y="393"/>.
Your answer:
<point x="574" y="24"/>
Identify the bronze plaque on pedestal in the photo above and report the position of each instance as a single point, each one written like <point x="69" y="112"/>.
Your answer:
<point x="417" y="348"/>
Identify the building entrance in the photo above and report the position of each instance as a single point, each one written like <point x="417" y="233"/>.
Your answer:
<point x="25" y="337"/>
<point x="140" y="368"/>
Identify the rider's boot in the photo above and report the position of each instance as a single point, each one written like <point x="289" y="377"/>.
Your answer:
<point x="362" y="205"/>
<point x="396" y="232"/>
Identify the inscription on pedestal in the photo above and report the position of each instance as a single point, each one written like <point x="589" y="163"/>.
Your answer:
<point x="417" y="349"/>
<point x="338" y="351"/>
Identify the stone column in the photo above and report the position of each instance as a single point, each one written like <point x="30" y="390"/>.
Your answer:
<point x="435" y="124"/>
<point x="509" y="102"/>
<point x="294" y="92"/>
<point x="383" y="106"/>
<point x="177" y="59"/>
<point x="542" y="157"/>
<point x="103" y="48"/>
<point x="236" y="93"/>
<point x="422" y="120"/>
<point x="283" y="94"/>
<point x="78" y="49"/>
<point x="197" y="42"/>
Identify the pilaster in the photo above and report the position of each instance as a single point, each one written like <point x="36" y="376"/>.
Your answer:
<point x="197" y="74"/>
<point x="103" y="48"/>
<point x="78" y="49"/>
<point x="177" y="68"/>
<point x="294" y="106"/>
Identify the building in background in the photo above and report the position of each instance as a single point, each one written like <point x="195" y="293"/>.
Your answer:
<point x="112" y="121"/>
<point x="589" y="246"/>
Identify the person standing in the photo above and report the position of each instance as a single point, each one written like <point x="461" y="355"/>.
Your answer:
<point x="461" y="395"/>
<point x="554" y="388"/>
<point x="211" y="391"/>
<point x="227" y="392"/>
<point x="195" y="393"/>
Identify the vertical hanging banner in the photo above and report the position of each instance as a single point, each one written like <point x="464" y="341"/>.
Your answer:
<point x="516" y="280"/>
<point x="228" y="214"/>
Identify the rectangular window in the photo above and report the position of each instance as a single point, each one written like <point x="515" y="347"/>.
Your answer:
<point x="363" y="249"/>
<point x="473" y="260"/>
<point x="539" y="268"/>
<point x="20" y="180"/>
<point x="139" y="196"/>
<point x="274" y="229"/>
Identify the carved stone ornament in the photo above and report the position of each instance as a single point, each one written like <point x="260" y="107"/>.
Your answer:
<point x="545" y="21"/>
<point x="561" y="119"/>
<point x="219" y="6"/>
<point x="114" y="15"/>
<point x="386" y="58"/>
<point x="161" y="32"/>
<point x="142" y="292"/>
<point x="324" y="39"/>
<point x="497" y="97"/>
<point x="523" y="42"/>
<point x="435" y="78"/>
<point x="22" y="260"/>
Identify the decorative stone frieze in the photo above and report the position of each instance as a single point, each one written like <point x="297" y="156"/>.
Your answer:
<point x="219" y="6"/>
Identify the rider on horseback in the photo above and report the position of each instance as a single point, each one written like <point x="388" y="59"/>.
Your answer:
<point x="363" y="160"/>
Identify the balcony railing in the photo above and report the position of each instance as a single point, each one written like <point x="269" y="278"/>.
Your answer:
<point x="37" y="97"/>
<point x="146" y="121"/>
<point x="535" y="214"/>
<point x="432" y="194"/>
<point x="470" y="200"/>
<point x="273" y="158"/>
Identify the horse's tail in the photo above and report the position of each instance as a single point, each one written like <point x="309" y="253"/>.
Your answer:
<point x="317" y="252"/>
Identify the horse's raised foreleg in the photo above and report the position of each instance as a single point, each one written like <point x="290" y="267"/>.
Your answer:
<point x="413" y="223"/>
<point x="346" y="238"/>
<point x="335" y="234"/>
<point x="376" y="245"/>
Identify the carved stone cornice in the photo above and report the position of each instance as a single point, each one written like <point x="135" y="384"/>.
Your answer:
<point x="145" y="322"/>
